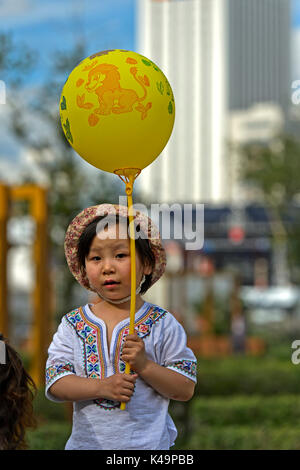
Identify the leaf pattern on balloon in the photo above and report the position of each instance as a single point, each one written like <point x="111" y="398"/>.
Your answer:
<point x="146" y="62"/>
<point x="79" y="82"/>
<point x="160" y="87"/>
<point x="68" y="131"/>
<point x="130" y="60"/>
<point x="63" y="104"/>
<point x="143" y="109"/>
<point x="146" y="80"/>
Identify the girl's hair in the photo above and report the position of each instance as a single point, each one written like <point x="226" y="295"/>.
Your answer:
<point x="142" y="246"/>
<point x="17" y="391"/>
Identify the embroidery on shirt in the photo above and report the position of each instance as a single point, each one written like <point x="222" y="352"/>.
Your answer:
<point x="92" y="344"/>
<point x="93" y="356"/>
<point x="54" y="370"/>
<point x="188" y="367"/>
<point x="143" y="329"/>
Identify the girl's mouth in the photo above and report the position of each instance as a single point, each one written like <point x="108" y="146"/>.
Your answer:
<point x="111" y="284"/>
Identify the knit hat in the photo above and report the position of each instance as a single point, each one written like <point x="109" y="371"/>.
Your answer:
<point x="82" y="220"/>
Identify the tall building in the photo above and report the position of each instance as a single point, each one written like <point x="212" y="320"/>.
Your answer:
<point x="219" y="56"/>
<point x="259" y="52"/>
<point x="186" y="40"/>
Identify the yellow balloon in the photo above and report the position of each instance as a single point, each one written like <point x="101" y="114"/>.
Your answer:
<point x="117" y="110"/>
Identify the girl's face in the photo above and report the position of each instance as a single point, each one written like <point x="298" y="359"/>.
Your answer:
<point x="108" y="265"/>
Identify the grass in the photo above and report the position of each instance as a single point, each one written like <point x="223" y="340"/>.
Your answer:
<point x="244" y="438"/>
<point x="49" y="436"/>
<point x="240" y="403"/>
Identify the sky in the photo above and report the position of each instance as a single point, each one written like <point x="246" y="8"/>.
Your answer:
<point x="295" y="13"/>
<point x="295" y="53"/>
<point x="48" y="26"/>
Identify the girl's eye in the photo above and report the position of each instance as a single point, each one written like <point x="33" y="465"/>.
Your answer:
<point x="95" y="258"/>
<point x="121" y="255"/>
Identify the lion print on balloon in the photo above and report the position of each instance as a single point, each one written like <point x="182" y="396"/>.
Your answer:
<point x="104" y="81"/>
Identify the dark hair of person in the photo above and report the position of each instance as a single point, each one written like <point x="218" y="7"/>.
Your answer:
<point x="142" y="245"/>
<point x="17" y="391"/>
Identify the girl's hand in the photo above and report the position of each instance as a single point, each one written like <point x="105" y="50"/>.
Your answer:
<point x="134" y="352"/>
<point x="118" y="387"/>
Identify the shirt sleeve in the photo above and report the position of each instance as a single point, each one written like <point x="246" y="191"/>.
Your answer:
<point x="60" y="362"/>
<point x="175" y="354"/>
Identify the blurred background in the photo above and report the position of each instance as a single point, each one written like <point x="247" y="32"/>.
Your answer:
<point x="235" y="71"/>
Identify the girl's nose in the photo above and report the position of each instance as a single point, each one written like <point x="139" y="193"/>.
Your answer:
<point x="107" y="266"/>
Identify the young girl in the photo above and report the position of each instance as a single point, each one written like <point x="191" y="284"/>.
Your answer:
<point x="88" y="353"/>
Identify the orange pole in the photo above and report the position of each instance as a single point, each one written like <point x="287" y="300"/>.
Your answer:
<point x="41" y="294"/>
<point x="4" y="210"/>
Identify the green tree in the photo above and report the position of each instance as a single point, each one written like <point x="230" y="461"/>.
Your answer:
<point x="16" y="60"/>
<point x="273" y="169"/>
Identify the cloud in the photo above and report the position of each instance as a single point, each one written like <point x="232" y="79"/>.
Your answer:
<point x="28" y="12"/>
<point x="10" y="9"/>
<point x="49" y="26"/>
<point x="24" y="13"/>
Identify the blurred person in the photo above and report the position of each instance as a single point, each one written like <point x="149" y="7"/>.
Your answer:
<point x="17" y="391"/>
<point x="238" y="334"/>
<point x="88" y="353"/>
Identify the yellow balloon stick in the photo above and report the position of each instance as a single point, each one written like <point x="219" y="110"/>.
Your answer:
<point x="130" y="175"/>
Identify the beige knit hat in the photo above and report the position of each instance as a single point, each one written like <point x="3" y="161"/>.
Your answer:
<point x="82" y="220"/>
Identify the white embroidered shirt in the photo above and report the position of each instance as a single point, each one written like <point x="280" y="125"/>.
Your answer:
<point x="80" y="347"/>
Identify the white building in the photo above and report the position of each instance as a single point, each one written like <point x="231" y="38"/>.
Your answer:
<point x="186" y="40"/>
<point x="219" y="56"/>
